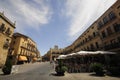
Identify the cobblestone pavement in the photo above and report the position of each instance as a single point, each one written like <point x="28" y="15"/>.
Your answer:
<point x="45" y="71"/>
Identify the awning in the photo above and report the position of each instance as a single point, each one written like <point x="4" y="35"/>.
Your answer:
<point x="35" y="58"/>
<point x="22" y="58"/>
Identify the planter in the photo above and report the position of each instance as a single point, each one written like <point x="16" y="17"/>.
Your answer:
<point x="97" y="68"/>
<point x="6" y="70"/>
<point x="60" y="69"/>
<point x="60" y="73"/>
<point x="8" y="66"/>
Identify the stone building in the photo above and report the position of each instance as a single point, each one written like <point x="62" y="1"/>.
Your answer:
<point x="90" y="40"/>
<point x="6" y="31"/>
<point x="103" y="34"/>
<point x="53" y="53"/>
<point x="109" y="28"/>
<point x="23" y="49"/>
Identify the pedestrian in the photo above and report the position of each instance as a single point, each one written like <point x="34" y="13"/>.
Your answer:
<point x="54" y="65"/>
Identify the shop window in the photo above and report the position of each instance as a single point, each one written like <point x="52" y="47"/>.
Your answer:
<point x="109" y="31"/>
<point x="112" y="15"/>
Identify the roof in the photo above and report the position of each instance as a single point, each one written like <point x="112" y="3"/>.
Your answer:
<point x="19" y="34"/>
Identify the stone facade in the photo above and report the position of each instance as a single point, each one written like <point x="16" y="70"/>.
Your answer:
<point x="103" y="34"/>
<point x="109" y="28"/>
<point x="53" y="53"/>
<point x="22" y="45"/>
<point x="6" y="32"/>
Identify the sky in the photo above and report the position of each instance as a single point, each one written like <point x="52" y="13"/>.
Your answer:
<point x="53" y="22"/>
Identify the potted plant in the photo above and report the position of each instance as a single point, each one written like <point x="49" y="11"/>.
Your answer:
<point x="97" y="68"/>
<point x="60" y="68"/>
<point x="7" y="67"/>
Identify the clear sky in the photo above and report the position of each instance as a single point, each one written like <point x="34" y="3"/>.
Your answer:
<point x="53" y="22"/>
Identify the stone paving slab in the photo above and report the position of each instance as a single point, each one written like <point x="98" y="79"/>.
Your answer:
<point x="45" y="71"/>
<point x="82" y="76"/>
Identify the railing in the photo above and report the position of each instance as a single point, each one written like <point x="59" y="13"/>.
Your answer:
<point x="32" y="50"/>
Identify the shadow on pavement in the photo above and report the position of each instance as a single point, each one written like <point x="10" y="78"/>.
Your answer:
<point x="93" y="74"/>
<point x="55" y="74"/>
<point x="1" y="74"/>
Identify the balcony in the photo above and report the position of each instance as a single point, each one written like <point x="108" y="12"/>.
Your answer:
<point x="32" y="50"/>
<point x="108" y="22"/>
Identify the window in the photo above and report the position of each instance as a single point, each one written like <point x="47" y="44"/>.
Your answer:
<point x="89" y="37"/>
<point x="6" y="44"/>
<point x="103" y="34"/>
<point x="93" y="27"/>
<point x="2" y="27"/>
<point x="13" y="42"/>
<point x="83" y="41"/>
<point x="97" y="45"/>
<point x="116" y="27"/>
<point x="92" y="46"/>
<point x="100" y="24"/>
<point x="21" y="51"/>
<point x="87" y="48"/>
<point x="111" y="15"/>
<point x="8" y="31"/>
<point x="86" y="39"/>
<point x="94" y="34"/>
<point x="105" y="20"/>
<point x="14" y="37"/>
<point x="109" y="31"/>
